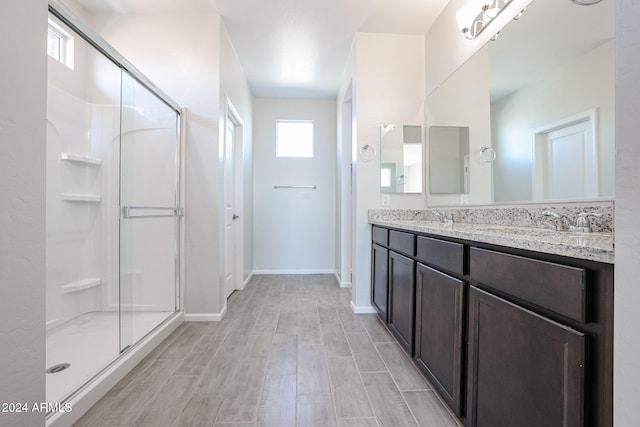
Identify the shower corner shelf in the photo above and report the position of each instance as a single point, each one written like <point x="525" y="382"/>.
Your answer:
<point x="81" y="285"/>
<point x="88" y="198"/>
<point x="80" y="160"/>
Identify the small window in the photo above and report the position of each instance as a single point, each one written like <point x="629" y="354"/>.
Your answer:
<point x="60" y="44"/>
<point x="54" y="46"/>
<point x="294" y="138"/>
<point x="385" y="177"/>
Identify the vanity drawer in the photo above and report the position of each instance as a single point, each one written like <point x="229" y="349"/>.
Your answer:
<point x="380" y="235"/>
<point x="440" y="253"/>
<point x="402" y="242"/>
<point x="555" y="287"/>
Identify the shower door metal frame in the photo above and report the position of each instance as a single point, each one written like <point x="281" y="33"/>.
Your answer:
<point x="126" y="211"/>
<point x="171" y="211"/>
<point x="66" y="16"/>
<point x="63" y="13"/>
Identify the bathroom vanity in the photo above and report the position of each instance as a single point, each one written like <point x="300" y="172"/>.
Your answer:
<point x="511" y="322"/>
<point x="513" y="326"/>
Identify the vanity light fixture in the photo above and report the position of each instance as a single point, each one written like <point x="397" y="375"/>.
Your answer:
<point x="472" y="21"/>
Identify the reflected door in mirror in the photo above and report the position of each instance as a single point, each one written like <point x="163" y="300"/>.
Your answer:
<point x="565" y="165"/>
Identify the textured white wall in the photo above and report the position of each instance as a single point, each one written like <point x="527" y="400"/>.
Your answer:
<point x="627" y="289"/>
<point x="386" y="72"/>
<point x="22" y="217"/>
<point x="294" y="228"/>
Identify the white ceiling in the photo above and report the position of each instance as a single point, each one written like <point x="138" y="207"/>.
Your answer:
<point x="294" y="48"/>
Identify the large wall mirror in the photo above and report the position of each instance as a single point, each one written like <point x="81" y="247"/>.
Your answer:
<point x="400" y="159"/>
<point x="542" y="97"/>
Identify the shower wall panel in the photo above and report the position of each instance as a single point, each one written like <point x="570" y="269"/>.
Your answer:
<point x="83" y="125"/>
<point x="73" y="226"/>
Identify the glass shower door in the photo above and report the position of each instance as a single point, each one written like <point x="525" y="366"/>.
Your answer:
<point x="149" y="211"/>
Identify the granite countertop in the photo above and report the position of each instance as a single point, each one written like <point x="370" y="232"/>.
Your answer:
<point x="596" y="246"/>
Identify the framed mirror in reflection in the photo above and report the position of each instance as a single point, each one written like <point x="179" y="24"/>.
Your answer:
<point x="542" y="97"/>
<point x="400" y="159"/>
<point x="449" y="172"/>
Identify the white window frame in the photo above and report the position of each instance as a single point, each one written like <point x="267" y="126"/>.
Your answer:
<point x="56" y="52"/>
<point x="65" y="54"/>
<point x="282" y="152"/>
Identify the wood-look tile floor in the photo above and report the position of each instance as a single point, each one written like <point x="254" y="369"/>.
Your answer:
<point x="289" y="352"/>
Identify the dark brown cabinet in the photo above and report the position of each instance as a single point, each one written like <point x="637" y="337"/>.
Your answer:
<point x="402" y="299"/>
<point x="439" y="329"/>
<point x="524" y="369"/>
<point x="380" y="280"/>
<point x="559" y="288"/>
<point x="507" y="337"/>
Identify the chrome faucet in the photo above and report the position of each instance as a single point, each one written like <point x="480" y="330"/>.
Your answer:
<point x="582" y="222"/>
<point x="446" y="217"/>
<point x="560" y="221"/>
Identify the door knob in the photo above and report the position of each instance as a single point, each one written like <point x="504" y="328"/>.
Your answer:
<point x="236" y="216"/>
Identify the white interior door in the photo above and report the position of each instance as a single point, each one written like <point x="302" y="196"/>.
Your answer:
<point x="346" y="165"/>
<point x="230" y="215"/>
<point x="566" y="163"/>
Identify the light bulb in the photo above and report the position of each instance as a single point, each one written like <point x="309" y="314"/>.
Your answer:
<point x="465" y="17"/>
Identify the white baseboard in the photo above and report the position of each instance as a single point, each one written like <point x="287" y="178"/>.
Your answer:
<point x="363" y="309"/>
<point x="139" y="307"/>
<point x="206" y="317"/>
<point x="246" y="282"/>
<point x="342" y="284"/>
<point x="271" y="272"/>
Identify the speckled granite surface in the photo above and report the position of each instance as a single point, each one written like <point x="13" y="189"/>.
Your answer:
<point x="529" y="216"/>
<point x="522" y="228"/>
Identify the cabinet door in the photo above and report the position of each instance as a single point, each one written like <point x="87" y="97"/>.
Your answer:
<point x="380" y="280"/>
<point x="402" y="299"/>
<point x="439" y="311"/>
<point x="524" y="370"/>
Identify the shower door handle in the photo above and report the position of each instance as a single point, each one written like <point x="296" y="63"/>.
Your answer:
<point x="131" y="212"/>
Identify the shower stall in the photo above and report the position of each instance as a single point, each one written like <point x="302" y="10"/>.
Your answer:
<point x="113" y="206"/>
